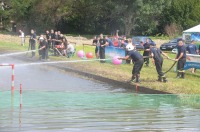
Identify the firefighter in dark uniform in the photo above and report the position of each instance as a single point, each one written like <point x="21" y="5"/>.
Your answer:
<point x="146" y="52"/>
<point x="43" y="48"/>
<point x="181" y="59"/>
<point x="158" y="61"/>
<point x="32" y="42"/>
<point x="103" y="43"/>
<point x="138" y="60"/>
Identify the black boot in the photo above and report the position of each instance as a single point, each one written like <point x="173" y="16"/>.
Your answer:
<point x="178" y="75"/>
<point x="164" y="79"/>
<point x="132" y="79"/>
<point x="159" y="79"/>
<point x="137" y="79"/>
<point x="183" y="75"/>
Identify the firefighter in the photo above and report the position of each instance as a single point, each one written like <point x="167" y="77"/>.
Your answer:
<point x="156" y="53"/>
<point x="181" y="59"/>
<point x="138" y="60"/>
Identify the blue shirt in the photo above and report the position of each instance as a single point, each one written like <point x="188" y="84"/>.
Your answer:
<point x="110" y="42"/>
<point x="181" y="49"/>
<point x="135" y="55"/>
<point x="192" y="48"/>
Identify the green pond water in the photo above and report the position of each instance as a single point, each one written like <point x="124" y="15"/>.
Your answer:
<point x="98" y="111"/>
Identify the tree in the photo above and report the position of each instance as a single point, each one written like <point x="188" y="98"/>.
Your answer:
<point x="183" y="13"/>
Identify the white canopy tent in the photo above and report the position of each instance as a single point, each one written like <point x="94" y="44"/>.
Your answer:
<point x="192" y="34"/>
<point x="195" y="29"/>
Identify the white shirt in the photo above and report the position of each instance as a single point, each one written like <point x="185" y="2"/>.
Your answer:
<point x="70" y="48"/>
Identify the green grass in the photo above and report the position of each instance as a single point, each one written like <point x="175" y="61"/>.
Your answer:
<point x="149" y="75"/>
<point x="189" y="85"/>
<point x="12" y="46"/>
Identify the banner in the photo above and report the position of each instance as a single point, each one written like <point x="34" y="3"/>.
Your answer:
<point x="193" y="61"/>
<point x="111" y="52"/>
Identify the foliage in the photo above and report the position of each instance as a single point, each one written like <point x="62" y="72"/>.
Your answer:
<point x="131" y="17"/>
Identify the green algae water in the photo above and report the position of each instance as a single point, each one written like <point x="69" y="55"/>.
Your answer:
<point x="98" y="111"/>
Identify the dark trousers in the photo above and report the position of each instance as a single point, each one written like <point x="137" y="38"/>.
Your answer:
<point x="102" y="55"/>
<point x="146" y="60"/>
<point x="180" y="65"/>
<point x="43" y="51"/>
<point x="47" y="53"/>
<point x="49" y="44"/>
<point x="53" y="44"/>
<point x="33" y="48"/>
<point x="158" y="63"/>
<point x="127" y="61"/>
<point x="137" y="67"/>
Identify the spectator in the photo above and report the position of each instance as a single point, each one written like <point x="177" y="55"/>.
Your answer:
<point x="22" y="37"/>
<point x="124" y="42"/>
<point x="192" y="49"/>
<point x="137" y="58"/>
<point x="52" y="38"/>
<point x="103" y="44"/>
<point x="48" y="37"/>
<point x="70" y="50"/>
<point x="158" y="61"/>
<point x="110" y="43"/>
<point x="146" y="52"/>
<point x="97" y="44"/>
<point x="181" y="58"/>
<point x="65" y="44"/>
<point x="32" y="42"/>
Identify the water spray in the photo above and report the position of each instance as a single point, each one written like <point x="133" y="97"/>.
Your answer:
<point x="54" y="62"/>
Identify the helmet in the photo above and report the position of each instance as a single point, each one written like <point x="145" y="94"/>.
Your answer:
<point x="129" y="47"/>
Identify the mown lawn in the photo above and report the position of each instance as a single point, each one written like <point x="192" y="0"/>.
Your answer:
<point x="189" y="85"/>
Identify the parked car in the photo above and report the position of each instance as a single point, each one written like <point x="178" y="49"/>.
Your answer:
<point x="136" y="40"/>
<point x="169" y="46"/>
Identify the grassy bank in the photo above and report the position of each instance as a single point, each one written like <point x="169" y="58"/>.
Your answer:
<point x="189" y="85"/>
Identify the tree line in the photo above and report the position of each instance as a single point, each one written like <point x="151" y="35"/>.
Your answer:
<point x="131" y="17"/>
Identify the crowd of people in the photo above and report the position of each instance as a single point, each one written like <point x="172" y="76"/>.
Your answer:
<point x="150" y="51"/>
<point x="50" y="41"/>
<point x="55" y="40"/>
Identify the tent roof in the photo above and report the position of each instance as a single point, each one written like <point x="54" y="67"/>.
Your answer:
<point x="193" y="29"/>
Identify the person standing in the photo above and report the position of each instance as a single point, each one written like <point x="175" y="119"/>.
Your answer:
<point x="43" y="48"/>
<point x="129" y="42"/>
<point x="158" y="61"/>
<point x="96" y="43"/>
<point x="192" y="49"/>
<point x="146" y="52"/>
<point x="48" y="37"/>
<point x="181" y="59"/>
<point x="103" y="44"/>
<point x="138" y="60"/>
<point x="32" y="42"/>
<point x="22" y="37"/>
<point x="52" y="39"/>
<point x="110" y="43"/>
